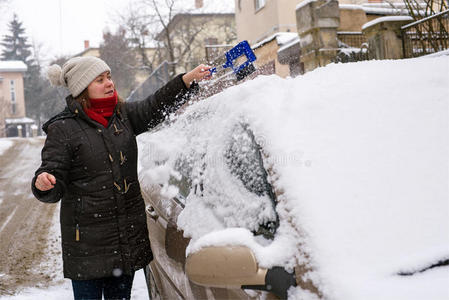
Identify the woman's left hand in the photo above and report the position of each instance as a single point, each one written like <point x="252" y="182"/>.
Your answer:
<point x="199" y="73"/>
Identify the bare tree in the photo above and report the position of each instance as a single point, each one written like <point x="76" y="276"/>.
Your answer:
<point x="424" y="8"/>
<point x="138" y="26"/>
<point x="116" y="51"/>
<point x="47" y="100"/>
<point x="177" y="33"/>
<point x="432" y="34"/>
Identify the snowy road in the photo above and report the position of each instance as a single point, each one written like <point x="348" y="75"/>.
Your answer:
<point x="24" y="222"/>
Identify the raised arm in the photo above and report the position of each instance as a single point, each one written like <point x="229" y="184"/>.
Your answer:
<point x="150" y="112"/>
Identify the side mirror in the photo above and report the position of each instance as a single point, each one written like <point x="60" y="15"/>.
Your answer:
<point x="224" y="267"/>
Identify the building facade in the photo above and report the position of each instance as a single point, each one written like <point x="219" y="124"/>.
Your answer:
<point x="13" y="120"/>
<point x="279" y="35"/>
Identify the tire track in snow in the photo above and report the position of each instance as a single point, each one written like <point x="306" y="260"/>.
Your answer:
<point x="24" y="221"/>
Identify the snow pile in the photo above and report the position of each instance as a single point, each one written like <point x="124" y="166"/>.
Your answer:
<point x="360" y="152"/>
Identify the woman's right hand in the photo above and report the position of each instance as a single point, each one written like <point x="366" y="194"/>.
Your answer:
<point x="45" y="182"/>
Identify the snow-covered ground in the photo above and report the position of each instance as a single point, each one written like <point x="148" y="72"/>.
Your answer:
<point x="5" y="144"/>
<point x="61" y="288"/>
<point x="64" y="291"/>
<point x="360" y="151"/>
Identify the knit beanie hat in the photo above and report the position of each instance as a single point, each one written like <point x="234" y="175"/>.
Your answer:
<point x="77" y="73"/>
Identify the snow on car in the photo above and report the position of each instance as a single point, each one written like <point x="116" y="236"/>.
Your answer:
<point x="340" y="175"/>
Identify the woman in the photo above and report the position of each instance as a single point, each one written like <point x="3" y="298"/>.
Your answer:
<point x="89" y="160"/>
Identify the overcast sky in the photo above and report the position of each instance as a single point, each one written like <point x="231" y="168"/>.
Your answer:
<point x="62" y="25"/>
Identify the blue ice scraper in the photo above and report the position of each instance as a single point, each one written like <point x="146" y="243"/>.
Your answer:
<point x="244" y="69"/>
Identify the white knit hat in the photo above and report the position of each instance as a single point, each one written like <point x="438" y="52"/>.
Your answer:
<point x="77" y="73"/>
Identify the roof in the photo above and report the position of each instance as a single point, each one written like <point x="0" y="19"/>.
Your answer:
<point x="282" y="38"/>
<point x="378" y="8"/>
<point x="186" y="8"/>
<point x="12" y="66"/>
<point x="289" y="51"/>
<point x="386" y="19"/>
<point x="23" y="120"/>
<point x="87" y="50"/>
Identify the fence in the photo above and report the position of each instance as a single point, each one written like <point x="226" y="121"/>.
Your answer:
<point x="160" y="76"/>
<point x="426" y="36"/>
<point x="352" y="47"/>
<point x="351" y="39"/>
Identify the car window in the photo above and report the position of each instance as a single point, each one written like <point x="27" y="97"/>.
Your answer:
<point x="244" y="159"/>
<point x="183" y="181"/>
<point x="231" y="183"/>
<point x="188" y="178"/>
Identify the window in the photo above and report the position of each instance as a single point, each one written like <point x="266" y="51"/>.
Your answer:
<point x="236" y="192"/>
<point x="244" y="159"/>
<point x="258" y="4"/>
<point x="13" y="96"/>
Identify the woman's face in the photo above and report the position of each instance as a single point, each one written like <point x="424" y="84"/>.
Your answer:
<point x="101" y="87"/>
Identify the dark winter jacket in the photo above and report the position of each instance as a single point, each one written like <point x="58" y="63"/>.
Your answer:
<point x="103" y="222"/>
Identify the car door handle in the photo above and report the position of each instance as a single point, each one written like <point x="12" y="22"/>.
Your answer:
<point x="151" y="212"/>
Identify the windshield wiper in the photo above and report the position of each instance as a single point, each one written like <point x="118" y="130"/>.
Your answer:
<point x="441" y="263"/>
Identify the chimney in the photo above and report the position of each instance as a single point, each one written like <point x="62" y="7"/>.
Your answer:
<point x="86" y="44"/>
<point x="198" y="3"/>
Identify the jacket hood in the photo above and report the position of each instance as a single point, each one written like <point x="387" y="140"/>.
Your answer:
<point x="72" y="110"/>
<point x="66" y="113"/>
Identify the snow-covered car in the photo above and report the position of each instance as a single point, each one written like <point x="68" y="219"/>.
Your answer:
<point x="330" y="185"/>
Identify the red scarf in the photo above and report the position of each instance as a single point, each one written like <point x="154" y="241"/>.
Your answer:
<point x="102" y="108"/>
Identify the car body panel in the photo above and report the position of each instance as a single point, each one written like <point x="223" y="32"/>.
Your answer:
<point x="169" y="245"/>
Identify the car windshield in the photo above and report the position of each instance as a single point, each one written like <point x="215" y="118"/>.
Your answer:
<point x="232" y="187"/>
